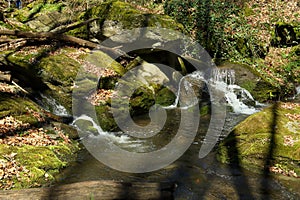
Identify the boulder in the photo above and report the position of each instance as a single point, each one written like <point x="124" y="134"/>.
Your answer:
<point x="267" y="140"/>
<point x="118" y="18"/>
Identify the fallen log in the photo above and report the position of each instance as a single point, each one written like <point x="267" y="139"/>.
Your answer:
<point x="49" y="35"/>
<point x="64" y="38"/>
<point x="104" y="190"/>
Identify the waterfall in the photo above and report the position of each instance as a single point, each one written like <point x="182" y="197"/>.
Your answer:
<point x="236" y="96"/>
<point x="51" y="105"/>
<point x="222" y="80"/>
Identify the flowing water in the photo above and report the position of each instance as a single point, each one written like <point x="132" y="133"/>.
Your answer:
<point x="51" y="105"/>
<point x="196" y="178"/>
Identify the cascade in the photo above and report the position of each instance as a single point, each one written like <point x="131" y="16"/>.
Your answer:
<point x="236" y="96"/>
<point x="51" y="105"/>
<point x="121" y="139"/>
<point x="222" y="80"/>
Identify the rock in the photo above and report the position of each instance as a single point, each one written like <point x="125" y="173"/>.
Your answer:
<point x="21" y="108"/>
<point x="47" y="21"/>
<point x="70" y="131"/>
<point x="149" y="73"/>
<point x="101" y="60"/>
<point x="141" y="101"/>
<point x="265" y="139"/>
<point x="105" y="118"/>
<point x="246" y="78"/>
<point x="165" y="97"/>
<point x="118" y="18"/>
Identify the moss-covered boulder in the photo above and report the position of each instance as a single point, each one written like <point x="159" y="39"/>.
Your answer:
<point x="37" y="165"/>
<point x="117" y="17"/>
<point x="165" y="97"/>
<point x="268" y="140"/>
<point x="20" y="108"/>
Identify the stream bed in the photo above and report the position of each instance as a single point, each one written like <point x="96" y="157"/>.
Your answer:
<point x="195" y="178"/>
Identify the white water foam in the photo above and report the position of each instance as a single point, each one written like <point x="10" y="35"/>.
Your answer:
<point x="119" y="138"/>
<point x="222" y="80"/>
<point x="53" y="106"/>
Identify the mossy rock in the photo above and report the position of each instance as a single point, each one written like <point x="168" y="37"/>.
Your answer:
<point x="141" y="101"/>
<point x="118" y="17"/>
<point x="19" y="107"/>
<point x="107" y="82"/>
<point x="85" y="127"/>
<point x="43" y="162"/>
<point x="70" y="131"/>
<point x="58" y="69"/>
<point x="58" y="72"/>
<point x="263" y="139"/>
<point x="53" y="74"/>
<point x="105" y="118"/>
<point x="37" y="8"/>
<point x="165" y="97"/>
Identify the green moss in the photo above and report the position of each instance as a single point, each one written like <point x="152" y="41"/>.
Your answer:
<point x="164" y="21"/>
<point x="43" y="162"/>
<point x="141" y="101"/>
<point x="105" y="118"/>
<point x="249" y="85"/>
<point x="165" y="97"/>
<point x="204" y="110"/>
<point x="252" y="140"/>
<point x="5" y="25"/>
<point x="36" y="8"/>
<point x="59" y="69"/>
<point x="124" y="12"/>
<point x="248" y="11"/>
<point x="20" y="59"/>
<point x="128" y="16"/>
<point x="18" y="107"/>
